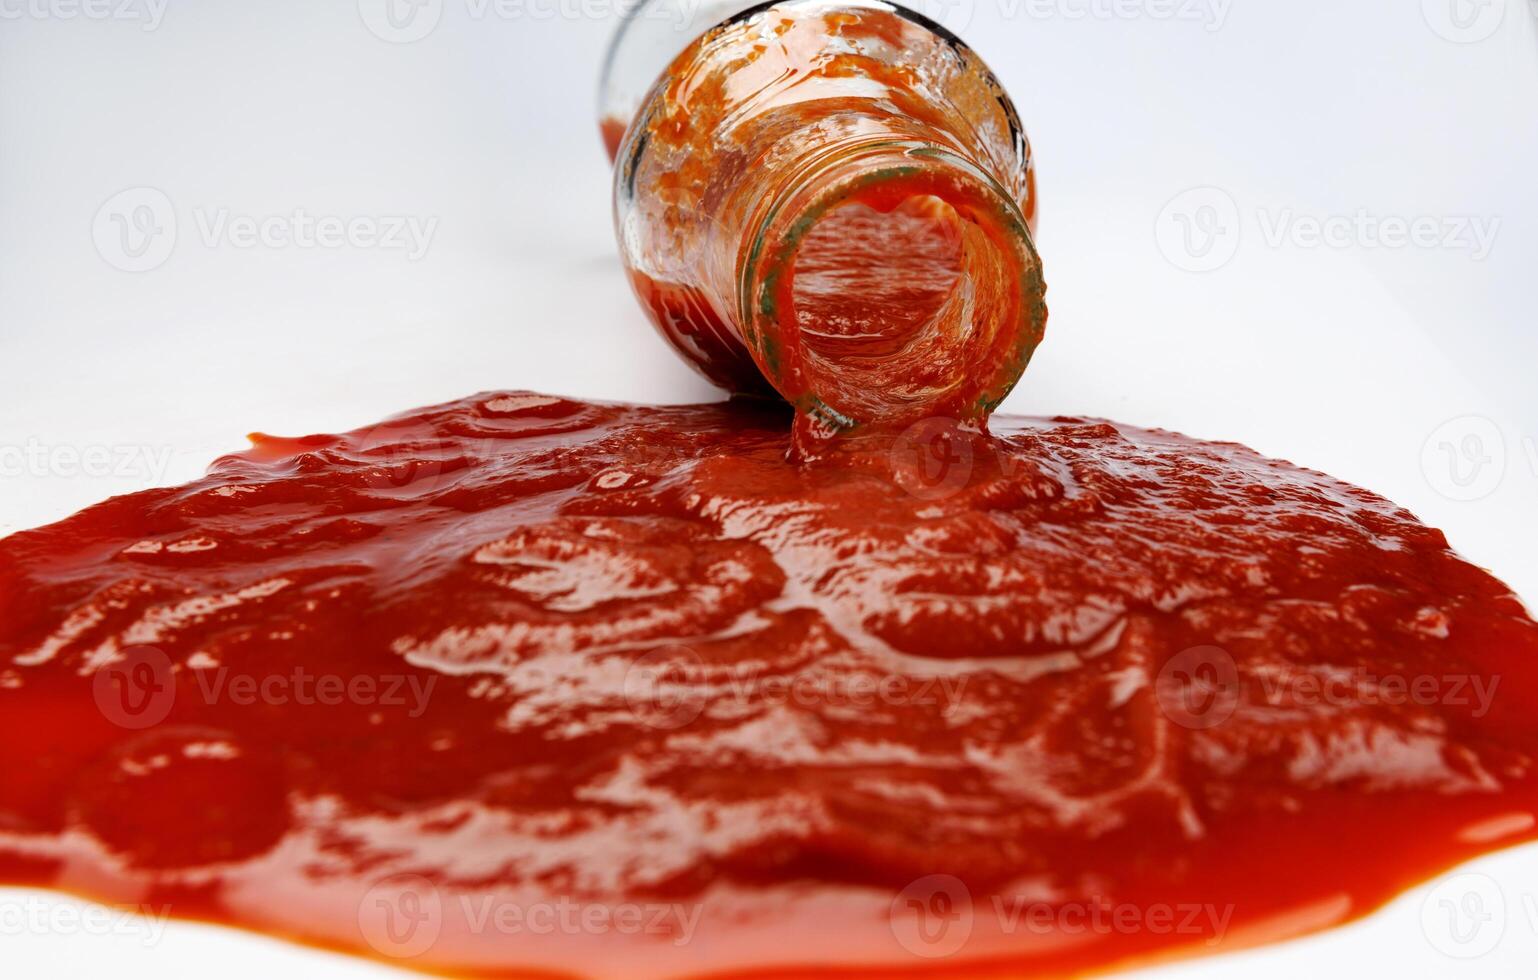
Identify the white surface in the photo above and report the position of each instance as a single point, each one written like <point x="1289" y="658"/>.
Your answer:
<point x="1351" y="359"/>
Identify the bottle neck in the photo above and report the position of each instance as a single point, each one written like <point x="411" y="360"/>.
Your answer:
<point x="884" y="279"/>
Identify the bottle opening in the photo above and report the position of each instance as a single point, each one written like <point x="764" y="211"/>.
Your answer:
<point x="870" y="285"/>
<point x="900" y="283"/>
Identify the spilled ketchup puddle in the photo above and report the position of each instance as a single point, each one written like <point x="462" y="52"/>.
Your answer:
<point x="519" y="684"/>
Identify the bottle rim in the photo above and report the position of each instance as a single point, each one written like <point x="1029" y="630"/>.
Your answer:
<point x="845" y="172"/>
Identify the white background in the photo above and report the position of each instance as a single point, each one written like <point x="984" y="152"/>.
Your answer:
<point x="1352" y="357"/>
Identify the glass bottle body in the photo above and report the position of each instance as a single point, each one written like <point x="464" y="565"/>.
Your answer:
<point x="836" y="202"/>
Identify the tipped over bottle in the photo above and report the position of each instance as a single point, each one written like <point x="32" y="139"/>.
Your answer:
<point x="834" y="201"/>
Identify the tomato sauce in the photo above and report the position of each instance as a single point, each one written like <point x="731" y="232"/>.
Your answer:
<point x="612" y="131"/>
<point x="521" y="685"/>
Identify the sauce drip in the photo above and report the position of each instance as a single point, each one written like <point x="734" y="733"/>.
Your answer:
<point x="612" y="131"/>
<point x="521" y="684"/>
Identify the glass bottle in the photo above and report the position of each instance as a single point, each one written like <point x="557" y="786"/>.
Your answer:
<point x="832" y="200"/>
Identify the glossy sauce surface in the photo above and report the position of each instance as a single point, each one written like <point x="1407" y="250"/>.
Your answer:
<point x="623" y="693"/>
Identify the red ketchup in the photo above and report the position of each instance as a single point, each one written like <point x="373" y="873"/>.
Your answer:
<point x="519" y="685"/>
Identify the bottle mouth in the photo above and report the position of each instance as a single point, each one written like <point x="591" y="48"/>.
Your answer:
<point x="891" y="281"/>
